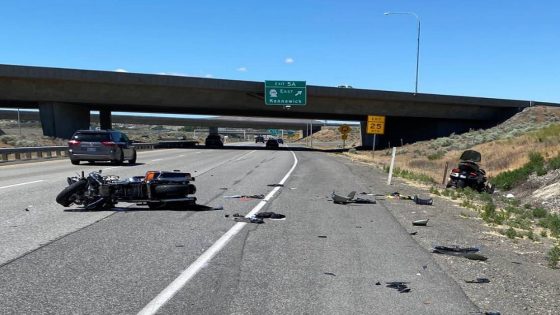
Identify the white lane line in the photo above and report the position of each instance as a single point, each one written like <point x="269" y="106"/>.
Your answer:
<point x="36" y="181"/>
<point x="156" y="160"/>
<point x="205" y="258"/>
<point x="242" y="157"/>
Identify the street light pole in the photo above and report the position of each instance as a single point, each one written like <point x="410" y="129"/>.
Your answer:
<point x="417" y="43"/>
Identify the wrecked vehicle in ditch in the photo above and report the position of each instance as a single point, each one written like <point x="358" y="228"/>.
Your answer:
<point x="156" y="189"/>
<point x="469" y="174"/>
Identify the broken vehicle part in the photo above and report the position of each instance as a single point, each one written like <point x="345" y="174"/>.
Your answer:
<point x="478" y="280"/>
<point x="399" y="286"/>
<point x="422" y="222"/>
<point x="421" y="201"/>
<point x="269" y="215"/>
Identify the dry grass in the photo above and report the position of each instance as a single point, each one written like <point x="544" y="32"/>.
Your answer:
<point x="540" y="127"/>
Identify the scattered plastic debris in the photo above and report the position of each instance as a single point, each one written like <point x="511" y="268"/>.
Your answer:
<point x="378" y="283"/>
<point x="350" y="199"/>
<point x="329" y="274"/>
<point x="252" y="219"/>
<point x="467" y="252"/>
<point x="226" y="216"/>
<point x="270" y="215"/>
<point x="275" y="185"/>
<point x="399" y="286"/>
<point x="321" y="236"/>
<point x="478" y="280"/>
<point x="413" y="233"/>
<point x="425" y="202"/>
<point x="245" y="196"/>
<point x="422" y="222"/>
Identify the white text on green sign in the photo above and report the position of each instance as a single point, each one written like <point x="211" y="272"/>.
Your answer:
<point x="285" y="93"/>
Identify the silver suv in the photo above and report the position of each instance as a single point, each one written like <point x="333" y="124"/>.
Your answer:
<point x="101" y="145"/>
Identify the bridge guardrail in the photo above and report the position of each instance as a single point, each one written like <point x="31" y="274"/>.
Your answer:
<point x="32" y="153"/>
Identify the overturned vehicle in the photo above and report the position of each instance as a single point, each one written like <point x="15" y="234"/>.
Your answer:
<point x="157" y="189"/>
<point x="469" y="174"/>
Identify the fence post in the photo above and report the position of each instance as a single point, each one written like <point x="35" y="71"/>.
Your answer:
<point x="445" y="174"/>
<point x="391" y="167"/>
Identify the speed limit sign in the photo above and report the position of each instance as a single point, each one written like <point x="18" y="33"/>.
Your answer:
<point x="376" y="125"/>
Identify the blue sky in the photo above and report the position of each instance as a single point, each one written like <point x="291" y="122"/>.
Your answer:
<point x="503" y="49"/>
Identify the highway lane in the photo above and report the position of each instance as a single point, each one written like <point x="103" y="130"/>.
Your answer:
<point x="122" y="262"/>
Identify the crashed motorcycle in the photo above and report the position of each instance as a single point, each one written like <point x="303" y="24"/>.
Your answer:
<point x="156" y="189"/>
<point x="469" y="174"/>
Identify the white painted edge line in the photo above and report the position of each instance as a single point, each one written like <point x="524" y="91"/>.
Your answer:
<point x="155" y="160"/>
<point x="33" y="182"/>
<point x="201" y="262"/>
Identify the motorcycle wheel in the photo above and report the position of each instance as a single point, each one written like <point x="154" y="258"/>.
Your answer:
<point x="461" y="184"/>
<point x="66" y="196"/>
<point x="451" y="183"/>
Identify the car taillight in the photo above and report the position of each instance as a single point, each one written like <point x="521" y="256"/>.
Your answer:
<point x="108" y="143"/>
<point x="455" y="170"/>
<point x="473" y="174"/>
<point x="73" y="143"/>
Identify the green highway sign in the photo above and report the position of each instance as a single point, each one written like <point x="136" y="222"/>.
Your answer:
<point x="285" y="93"/>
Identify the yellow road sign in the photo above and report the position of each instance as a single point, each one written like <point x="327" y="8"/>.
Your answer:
<point x="344" y="129"/>
<point x="376" y="125"/>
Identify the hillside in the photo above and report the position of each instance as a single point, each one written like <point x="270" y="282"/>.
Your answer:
<point x="504" y="147"/>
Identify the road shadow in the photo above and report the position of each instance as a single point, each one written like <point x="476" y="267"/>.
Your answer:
<point x="195" y="207"/>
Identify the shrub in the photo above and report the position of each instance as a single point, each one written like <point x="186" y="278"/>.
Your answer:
<point x="554" y="163"/>
<point x="511" y="233"/>
<point x="509" y="179"/>
<point x="436" y="156"/>
<point x="553" y="256"/>
<point x="539" y="212"/>
<point x="551" y="222"/>
<point x="543" y="233"/>
<point x="532" y="236"/>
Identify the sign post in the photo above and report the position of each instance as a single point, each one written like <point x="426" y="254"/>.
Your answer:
<point x="285" y="93"/>
<point x="344" y="130"/>
<point x="375" y="126"/>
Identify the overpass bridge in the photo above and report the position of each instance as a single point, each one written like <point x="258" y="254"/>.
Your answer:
<point x="65" y="97"/>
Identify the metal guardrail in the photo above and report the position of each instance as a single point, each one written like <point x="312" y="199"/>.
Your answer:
<point x="32" y="153"/>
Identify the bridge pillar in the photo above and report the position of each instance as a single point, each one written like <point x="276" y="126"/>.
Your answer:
<point x="61" y="120"/>
<point x="105" y="119"/>
<point x="403" y="130"/>
<point x="213" y="130"/>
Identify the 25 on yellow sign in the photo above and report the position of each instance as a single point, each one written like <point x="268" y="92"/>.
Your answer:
<point x="376" y="125"/>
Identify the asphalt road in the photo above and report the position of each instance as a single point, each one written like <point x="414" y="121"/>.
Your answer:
<point x="322" y="259"/>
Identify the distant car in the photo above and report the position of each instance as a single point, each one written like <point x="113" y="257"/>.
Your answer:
<point x="280" y="140"/>
<point x="259" y="139"/>
<point x="214" y="141"/>
<point x="101" y="145"/>
<point x="272" y="143"/>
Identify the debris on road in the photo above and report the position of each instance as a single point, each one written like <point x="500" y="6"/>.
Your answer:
<point x="245" y="196"/>
<point x="422" y="222"/>
<point x="350" y="199"/>
<point x="270" y="215"/>
<point x="478" y="280"/>
<point x="399" y="286"/>
<point x="252" y="219"/>
<point x="413" y="233"/>
<point x="329" y="274"/>
<point x="321" y="236"/>
<point x="275" y="185"/>
<point x="218" y="208"/>
<point x="421" y="201"/>
<point x="467" y="252"/>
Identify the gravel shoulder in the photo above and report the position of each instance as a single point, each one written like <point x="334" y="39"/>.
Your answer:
<point x="520" y="281"/>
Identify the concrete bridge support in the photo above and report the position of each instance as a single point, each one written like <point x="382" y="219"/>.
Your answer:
<point x="403" y="130"/>
<point x="105" y="119"/>
<point x="212" y="130"/>
<point x="313" y="129"/>
<point x="61" y="120"/>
